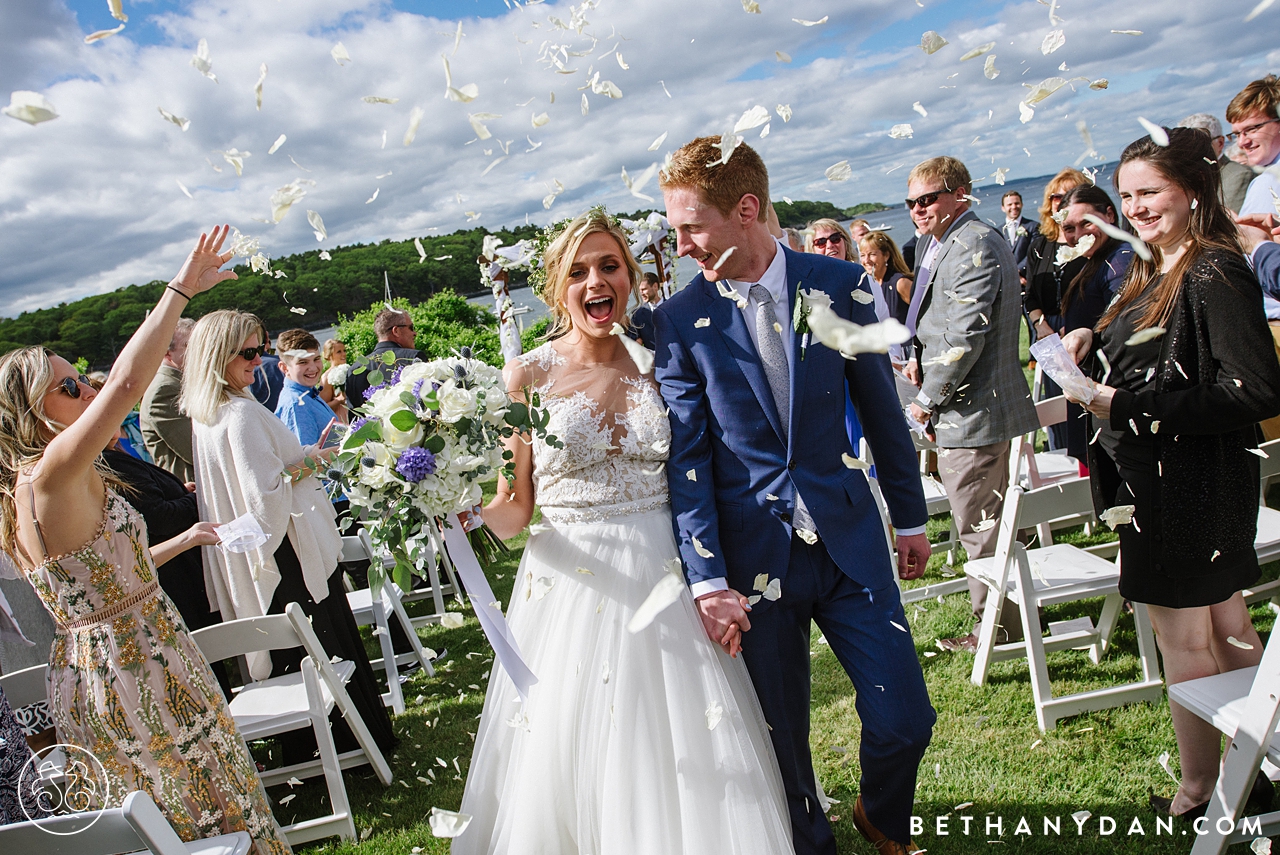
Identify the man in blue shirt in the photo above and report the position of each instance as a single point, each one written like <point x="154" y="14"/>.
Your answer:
<point x="300" y="406"/>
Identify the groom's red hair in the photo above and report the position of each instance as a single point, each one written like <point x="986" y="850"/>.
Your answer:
<point x="697" y="165"/>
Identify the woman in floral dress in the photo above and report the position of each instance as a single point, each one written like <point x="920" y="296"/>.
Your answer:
<point x="126" y="682"/>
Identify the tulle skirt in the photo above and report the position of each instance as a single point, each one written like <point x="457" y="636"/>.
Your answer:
<point x="650" y="743"/>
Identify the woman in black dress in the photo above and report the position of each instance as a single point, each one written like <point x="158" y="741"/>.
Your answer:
<point x="1177" y="411"/>
<point x="1104" y="261"/>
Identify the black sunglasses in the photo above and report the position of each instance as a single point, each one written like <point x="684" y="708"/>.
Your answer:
<point x="71" y="385"/>
<point x="924" y="200"/>
<point x="249" y="353"/>
<point x="408" y="327"/>
<point x="821" y="242"/>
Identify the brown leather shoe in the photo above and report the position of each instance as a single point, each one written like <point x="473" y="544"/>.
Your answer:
<point x="883" y="845"/>
<point x="967" y="643"/>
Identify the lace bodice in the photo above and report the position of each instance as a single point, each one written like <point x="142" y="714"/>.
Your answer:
<point x="615" y="432"/>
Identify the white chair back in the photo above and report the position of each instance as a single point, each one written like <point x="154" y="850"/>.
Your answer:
<point x="26" y="687"/>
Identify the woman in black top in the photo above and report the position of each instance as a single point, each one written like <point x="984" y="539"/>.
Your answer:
<point x="1103" y="263"/>
<point x="1177" y="413"/>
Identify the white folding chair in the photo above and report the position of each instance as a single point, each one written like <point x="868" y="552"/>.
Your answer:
<point x="1245" y="706"/>
<point x="295" y="701"/>
<point x="1267" y="542"/>
<point x="937" y="504"/>
<point x="1049" y="575"/>
<point x="136" y="826"/>
<point x="370" y="610"/>
<point x="22" y="689"/>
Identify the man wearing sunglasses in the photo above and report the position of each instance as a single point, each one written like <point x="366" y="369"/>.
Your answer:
<point x="966" y="313"/>
<point x="1255" y="126"/>
<point x="268" y="379"/>
<point x="395" y="332"/>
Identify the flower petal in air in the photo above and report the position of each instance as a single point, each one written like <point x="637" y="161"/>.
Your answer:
<point x="1141" y="336"/>
<point x="903" y="131"/>
<point x="753" y="118"/>
<point x="714" y="713"/>
<point x="339" y="53"/>
<point x="177" y="120"/>
<point x="977" y="52"/>
<point x="663" y="594"/>
<point x="639" y="354"/>
<point x="447" y="823"/>
<point x="30" y="107"/>
<point x="1118" y="515"/>
<point x="839" y="171"/>
<point x="1052" y="42"/>
<point x="1159" y="135"/>
<point x="989" y="67"/>
<point x="701" y="550"/>
<point x="852" y="462"/>
<point x="931" y="42"/>
<point x="101" y="34"/>
<point x="313" y="217"/>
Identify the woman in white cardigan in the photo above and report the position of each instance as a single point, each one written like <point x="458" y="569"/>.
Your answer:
<point x="248" y="461"/>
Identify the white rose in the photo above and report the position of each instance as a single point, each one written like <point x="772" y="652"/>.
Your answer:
<point x="455" y="402"/>
<point x="415" y="371"/>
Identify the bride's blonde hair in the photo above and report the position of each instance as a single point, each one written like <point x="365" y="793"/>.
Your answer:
<point x="558" y="258"/>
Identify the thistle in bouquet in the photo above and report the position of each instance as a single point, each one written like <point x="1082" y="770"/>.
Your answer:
<point x="429" y="435"/>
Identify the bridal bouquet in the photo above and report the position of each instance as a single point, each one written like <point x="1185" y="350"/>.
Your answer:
<point x="337" y="376"/>
<point x="428" y="436"/>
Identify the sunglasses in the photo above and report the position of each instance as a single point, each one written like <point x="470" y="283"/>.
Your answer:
<point x="1057" y="197"/>
<point x="1250" y="131"/>
<point x="408" y="327"/>
<point x="250" y="353"/>
<point x="71" y="385"/>
<point x="821" y="242"/>
<point x="923" y="201"/>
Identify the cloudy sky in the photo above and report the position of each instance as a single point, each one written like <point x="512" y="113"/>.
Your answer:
<point x="91" y="200"/>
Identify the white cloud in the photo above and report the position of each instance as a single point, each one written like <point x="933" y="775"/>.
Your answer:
<point x="89" y="202"/>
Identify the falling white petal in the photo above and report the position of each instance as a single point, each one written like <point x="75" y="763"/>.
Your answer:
<point x="286" y="196"/>
<point x="275" y="146"/>
<point x="101" y="34"/>
<point x="702" y="550"/>
<point x="1052" y="42"/>
<point x="850" y="339"/>
<point x="495" y="162"/>
<point x="1158" y="134"/>
<point x="1235" y="642"/>
<point x="724" y="256"/>
<point x="852" y="462"/>
<point x="422" y="253"/>
<point x="640" y="355"/>
<point x="1026" y="112"/>
<point x="477" y="123"/>
<point x="201" y="61"/>
<point x="753" y="118"/>
<point x="947" y="357"/>
<point x="1127" y="32"/>
<point x="714" y="713"/>
<point x="325" y="256"/>
<point x="1258" y="10"/>
<point x="1141" y="336"/>
<point x="653" y="146"/>
<point x="1118" y="515"/>
<point x="903" y="131"/>
<point x="415" y="119"/>
<point x="540" y="119"/>
<point x="809" y="537"/>
<point x="374" y="196"/>
<point x="931" y="42"/>
<point x="339" y="53"/>
<point x="313" y="217"/>
<point x="701" y="323"/>
<point x="30" y="107"/>
<point x="184" y="189"/>
<point x="451" y="620"/>
<point x="773" y="591"/>
<point x="257" y="89"/>
<point x="1136" y="242"/>
<point x="235" y="158"/>
<point x="919" y="108"/>
<point x="663" y="594"/>
<point x="177" y="120"/>
<point x="462" y="94"/>
<point x="692" y="474"/>
<point x="117" y="10"/>
<point x="378" y="99"/>
<point x="977" y="52"/>
<point x="622" y="62"/>
<point x="989" y="68"/>
<point x="805" y="23"/>
<point x="839" y="171"/>
<point x="447" y="823"/>
<point x="782" y="56"/>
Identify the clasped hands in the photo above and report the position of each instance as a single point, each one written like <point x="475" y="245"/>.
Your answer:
<point x="724" y="613"/>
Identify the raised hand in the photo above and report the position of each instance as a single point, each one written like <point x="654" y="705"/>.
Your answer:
<point x="201" y="271"/>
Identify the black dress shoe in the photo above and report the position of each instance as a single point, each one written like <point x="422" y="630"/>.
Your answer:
<point x="1161" y="805"/>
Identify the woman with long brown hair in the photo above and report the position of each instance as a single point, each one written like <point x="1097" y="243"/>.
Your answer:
<point x="126" y="682"/>
<point x="1187" y="370"/>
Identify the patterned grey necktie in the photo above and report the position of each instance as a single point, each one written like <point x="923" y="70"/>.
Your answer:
<point x="774" y="360"/>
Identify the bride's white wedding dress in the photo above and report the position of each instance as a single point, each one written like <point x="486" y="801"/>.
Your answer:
<point x="650" y="743"/>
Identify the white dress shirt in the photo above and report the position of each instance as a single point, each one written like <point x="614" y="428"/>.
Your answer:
<point x="1260" y="197"/>
<point x="774" y="281"/>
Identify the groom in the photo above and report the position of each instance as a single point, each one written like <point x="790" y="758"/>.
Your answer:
<point x="763" y="502"/>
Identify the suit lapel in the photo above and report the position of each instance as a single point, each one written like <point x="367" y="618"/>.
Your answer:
<point x="727" y="318"/>
<point x="797" y="270"/>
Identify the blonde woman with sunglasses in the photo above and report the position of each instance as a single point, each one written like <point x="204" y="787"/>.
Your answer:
<point x="126" y="682"/>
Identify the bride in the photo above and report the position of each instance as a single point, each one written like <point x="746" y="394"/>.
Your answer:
<point x="649" y="742"/>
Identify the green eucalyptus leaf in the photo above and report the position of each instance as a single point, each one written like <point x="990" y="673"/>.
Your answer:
<point x="403" y="420"/>
<point x="375" y="378"/>
<point x="389" y="358"/>
<point x="434" y="444"/>
<point x="517" y="414"/>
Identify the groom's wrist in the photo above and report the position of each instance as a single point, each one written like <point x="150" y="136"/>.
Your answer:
<point x="708" y="586"/>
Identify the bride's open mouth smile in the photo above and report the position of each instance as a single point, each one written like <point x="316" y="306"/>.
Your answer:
<point x="600" y="309"/>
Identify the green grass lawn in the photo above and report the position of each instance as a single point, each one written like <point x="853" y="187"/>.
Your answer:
<point x="988" y="761"/>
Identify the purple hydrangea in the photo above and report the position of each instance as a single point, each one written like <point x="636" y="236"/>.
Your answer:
<point x="358" y="423"/>
<point x="415" y="464"/>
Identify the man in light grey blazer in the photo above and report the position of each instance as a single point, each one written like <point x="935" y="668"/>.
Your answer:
<point x="973" y="394"/>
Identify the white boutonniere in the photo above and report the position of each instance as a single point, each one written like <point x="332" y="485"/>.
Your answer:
<point x="1022" y="231"/>
<point x="804" y="303"/>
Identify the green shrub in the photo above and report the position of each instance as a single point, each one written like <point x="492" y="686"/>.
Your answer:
<point x="532" y="335"/>
<point x="442" y="326"/>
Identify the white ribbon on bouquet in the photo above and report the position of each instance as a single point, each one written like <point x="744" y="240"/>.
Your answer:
<point x="491" y="618"/>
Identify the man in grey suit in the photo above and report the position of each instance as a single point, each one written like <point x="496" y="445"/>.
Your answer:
<point x="165" y="431"/>
<point x="1235" y="177"/>
<point x="973" y="394"/>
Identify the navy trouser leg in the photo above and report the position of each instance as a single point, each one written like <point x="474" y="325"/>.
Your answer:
<point x="776" y="652"/>
<point x="868" y="633"/>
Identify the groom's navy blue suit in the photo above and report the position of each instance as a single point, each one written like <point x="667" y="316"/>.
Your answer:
<point x="725" y="426"/>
